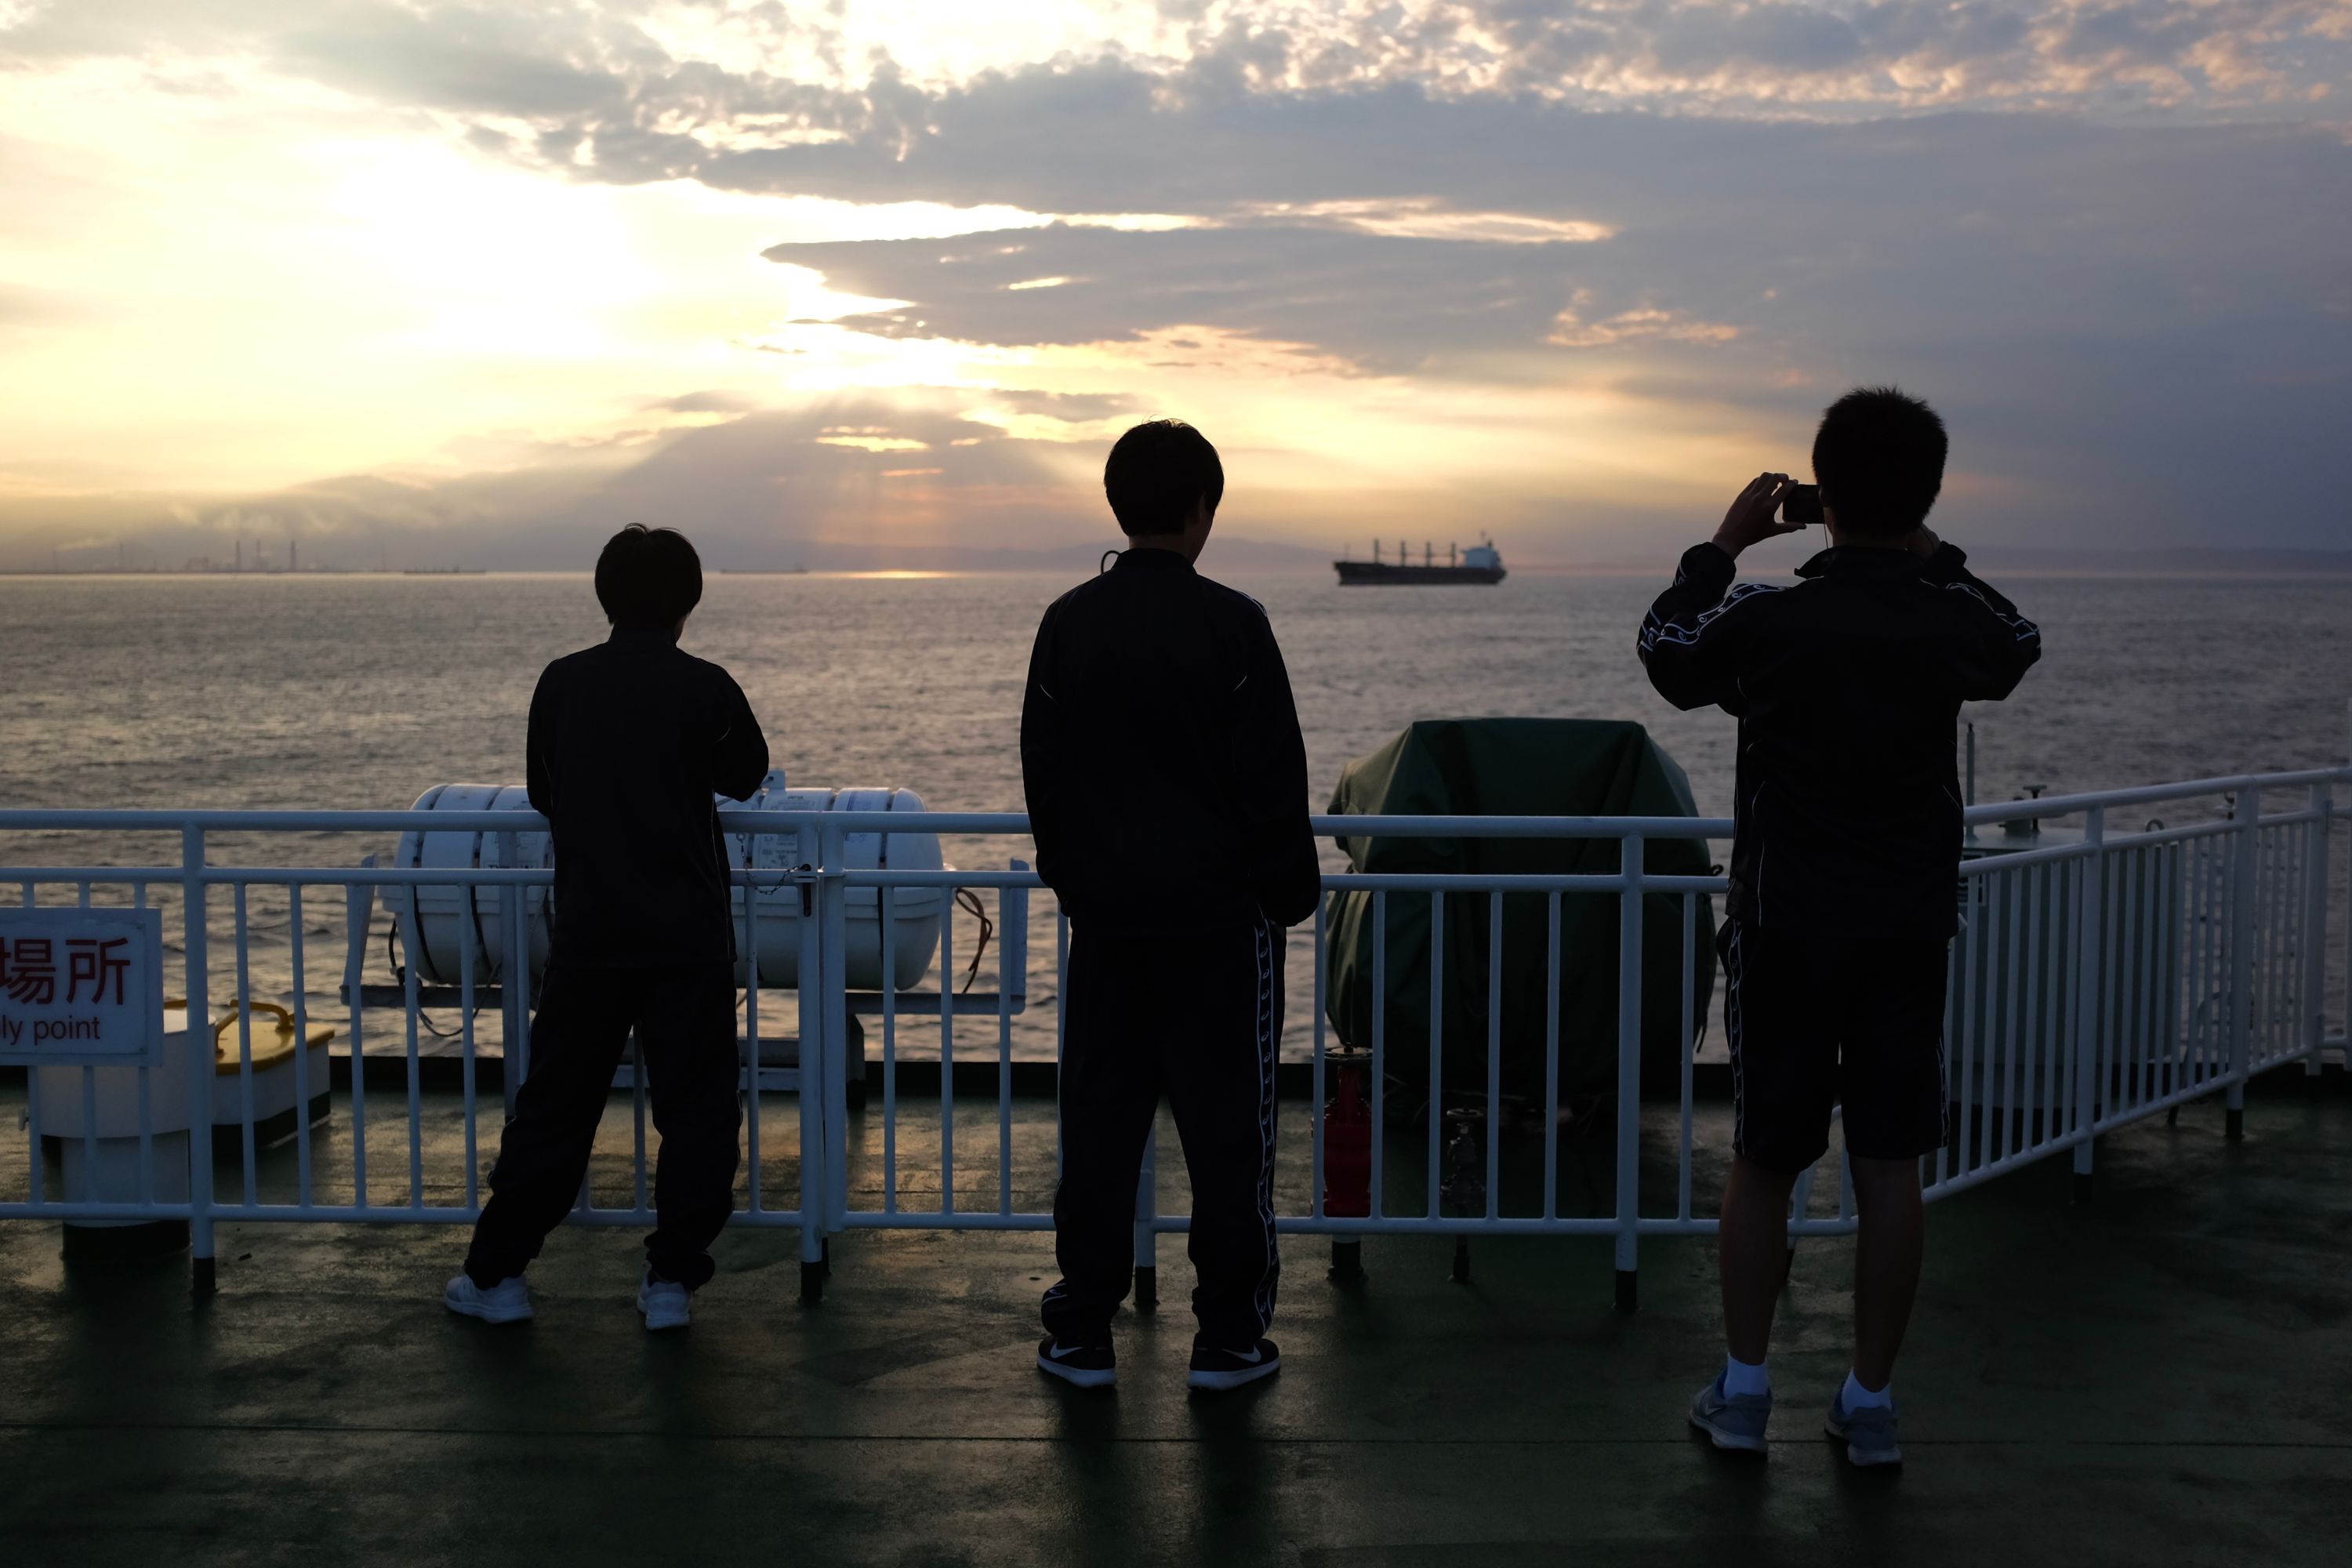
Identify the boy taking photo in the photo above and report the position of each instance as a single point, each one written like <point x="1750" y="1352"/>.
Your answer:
<point x="1844" y="865"/>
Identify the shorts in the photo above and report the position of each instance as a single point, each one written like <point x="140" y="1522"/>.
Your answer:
<point x="1818" y="1022"/>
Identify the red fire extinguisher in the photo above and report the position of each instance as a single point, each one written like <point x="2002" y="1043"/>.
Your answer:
<point x="1347" y="1139"/>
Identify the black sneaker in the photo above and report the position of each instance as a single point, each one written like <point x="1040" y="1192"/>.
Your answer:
<point x="1218" y="1369"/>
<point x="1085" y="1365"/>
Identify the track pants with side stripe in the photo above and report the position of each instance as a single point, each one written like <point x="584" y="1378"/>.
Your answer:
<point x="1194" y="1015"/>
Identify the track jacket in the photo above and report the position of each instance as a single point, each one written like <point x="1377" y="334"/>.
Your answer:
<point x="1847" y="686"/>
<point x="1160" y="754"/>
<point x="629" y="740"/>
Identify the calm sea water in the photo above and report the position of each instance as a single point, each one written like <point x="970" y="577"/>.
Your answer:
<point x="362" y="692"/>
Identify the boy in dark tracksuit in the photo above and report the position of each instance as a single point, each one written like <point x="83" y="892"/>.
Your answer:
<point x="1844" y="865"/>
<point x="629" y="741"/>
<point x="1167" y="791"/>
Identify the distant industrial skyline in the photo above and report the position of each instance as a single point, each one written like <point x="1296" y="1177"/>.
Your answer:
<point x="476" y="283"/>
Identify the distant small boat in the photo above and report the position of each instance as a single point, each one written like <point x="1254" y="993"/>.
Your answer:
<point x="442" y="570"/>
<point x="1482" y="562"/>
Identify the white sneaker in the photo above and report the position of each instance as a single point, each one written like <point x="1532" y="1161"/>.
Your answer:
<point x="507" y="1301"/>
<point x="663" y="1301"/>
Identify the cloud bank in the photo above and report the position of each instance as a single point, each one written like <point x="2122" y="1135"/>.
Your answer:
<point x="2112" y="241"/>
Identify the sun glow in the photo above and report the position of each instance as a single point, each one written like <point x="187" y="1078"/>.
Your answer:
<point x="343" y="266"/>
<point x="341" y="298"/>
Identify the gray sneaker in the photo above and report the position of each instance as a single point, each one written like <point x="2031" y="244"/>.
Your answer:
<point x="1733" y="1420"/>
<point x="663" y="1303"/>
<point x="507" y="1301"/>
<point x="1868" y="1434"/>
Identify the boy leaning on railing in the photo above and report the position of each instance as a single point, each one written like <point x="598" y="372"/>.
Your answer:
<point x="629" y="741"/>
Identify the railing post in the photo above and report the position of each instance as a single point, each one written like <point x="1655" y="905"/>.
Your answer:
<point x="1629" y="1067"/>
<point x="513" y="1022"/>
<point x="2315" y="927"/>
<point x="815" y="847"/>
<point x="359" y="914"/>
<point x="2090" y="964"/>
<point x="835" y="1101"/>
<point x="747" y="1063"/>
<point x="199" y="1037"/>
<point x="2243" y="886"/>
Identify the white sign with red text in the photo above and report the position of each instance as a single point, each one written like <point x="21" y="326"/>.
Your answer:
<point x="81" y="986"/>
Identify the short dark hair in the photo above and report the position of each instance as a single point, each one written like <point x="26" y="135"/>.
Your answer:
<point x="1879" y="456"/>
<point x="1157" y="472"/>
<point x="648" y="577"/>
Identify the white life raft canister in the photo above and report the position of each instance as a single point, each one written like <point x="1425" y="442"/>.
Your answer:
<point x="435" y="922"/>
<point x="776" y="912"/>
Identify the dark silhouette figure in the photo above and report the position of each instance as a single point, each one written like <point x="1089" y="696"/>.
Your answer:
<point x="1166" y="789"/>
<point x="1847" y="687"/>
<point x="629" y="742"/>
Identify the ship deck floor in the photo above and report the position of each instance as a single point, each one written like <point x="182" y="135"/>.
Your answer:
<point x="2163" y="1376"/>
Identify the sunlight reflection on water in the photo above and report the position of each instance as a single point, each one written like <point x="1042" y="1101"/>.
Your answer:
<point x="362" y="692"/>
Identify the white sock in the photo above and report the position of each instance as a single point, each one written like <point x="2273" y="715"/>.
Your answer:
<point x="1857" y="1398"/>
<point x="1739" y="1377"/>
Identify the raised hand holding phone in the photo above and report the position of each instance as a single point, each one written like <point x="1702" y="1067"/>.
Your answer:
<point x="1751" y="519"/>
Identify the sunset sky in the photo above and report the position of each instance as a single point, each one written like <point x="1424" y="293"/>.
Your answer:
<point x="481" y="282"/>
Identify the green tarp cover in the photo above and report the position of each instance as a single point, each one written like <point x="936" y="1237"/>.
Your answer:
<point x="1517" y="767"/>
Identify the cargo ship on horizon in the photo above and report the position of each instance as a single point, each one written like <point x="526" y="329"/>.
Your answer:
<point x="1482" y="562"/>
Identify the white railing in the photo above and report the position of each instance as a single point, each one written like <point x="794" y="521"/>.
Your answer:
<point x="2096" y="982"/>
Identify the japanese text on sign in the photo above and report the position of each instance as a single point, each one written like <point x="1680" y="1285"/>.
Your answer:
<point x="80" y="986"/>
